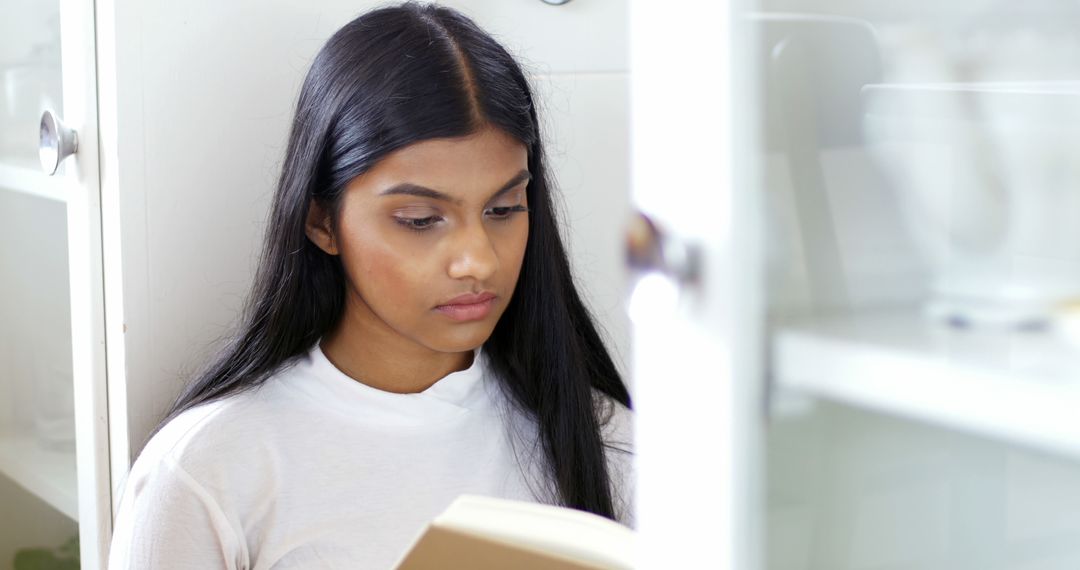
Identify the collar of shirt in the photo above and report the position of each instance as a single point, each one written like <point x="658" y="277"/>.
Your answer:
<point x="450" y="397"/>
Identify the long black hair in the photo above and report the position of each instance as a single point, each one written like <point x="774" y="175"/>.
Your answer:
<point x="389" y="78"/>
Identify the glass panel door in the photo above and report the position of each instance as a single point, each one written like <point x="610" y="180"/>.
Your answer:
<point x="38" y="483"/>
<point x="922" y="216"/>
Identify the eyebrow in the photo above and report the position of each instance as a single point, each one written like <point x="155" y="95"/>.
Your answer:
<point x="411" y="189"/>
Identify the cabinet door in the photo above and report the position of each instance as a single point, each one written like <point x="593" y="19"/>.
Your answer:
<point x="53" y="451"/>
<point x="694" y="304"/>
<point x="924" y="261"/>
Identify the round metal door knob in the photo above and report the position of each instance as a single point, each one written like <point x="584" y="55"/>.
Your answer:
<point x="56" y="142"/>
<point x="651" y="249"/>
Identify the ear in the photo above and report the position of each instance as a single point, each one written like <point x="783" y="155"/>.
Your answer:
<point x="317" y="228"/>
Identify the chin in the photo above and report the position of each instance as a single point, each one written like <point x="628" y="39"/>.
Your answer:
<point x="462" y="340"/>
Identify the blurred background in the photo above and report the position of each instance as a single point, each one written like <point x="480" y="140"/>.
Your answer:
<point x="921" y="198"/>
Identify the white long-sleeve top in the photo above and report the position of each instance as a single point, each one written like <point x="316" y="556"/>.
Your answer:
<point x="316" y="470"/>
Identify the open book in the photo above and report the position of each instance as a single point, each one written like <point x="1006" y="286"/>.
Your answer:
<point x="487" y="533"/>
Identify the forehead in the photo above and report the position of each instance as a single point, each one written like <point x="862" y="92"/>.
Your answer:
<point x="463" y="167"/>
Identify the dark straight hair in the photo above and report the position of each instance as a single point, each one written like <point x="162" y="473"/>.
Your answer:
<point x="395" y="76"/>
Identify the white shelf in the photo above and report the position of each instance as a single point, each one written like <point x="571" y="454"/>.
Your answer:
<point x="30" y="181"/>
<point x="1022" y="387"/>
<point x="49" y="475"/>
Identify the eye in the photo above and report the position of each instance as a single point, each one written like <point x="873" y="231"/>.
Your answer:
<point x="418" y="224"/>
<point x="505" y="212"/>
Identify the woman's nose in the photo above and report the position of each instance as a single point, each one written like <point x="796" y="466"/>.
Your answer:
<point x="472" y="254"/>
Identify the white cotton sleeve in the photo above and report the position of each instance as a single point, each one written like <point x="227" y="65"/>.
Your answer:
<point x="168" y="521"/>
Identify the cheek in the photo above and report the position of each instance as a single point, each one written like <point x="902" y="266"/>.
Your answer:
<point x="515" y="246"/>
<point x="392" y="279"/>
<point x="394" y="272"/>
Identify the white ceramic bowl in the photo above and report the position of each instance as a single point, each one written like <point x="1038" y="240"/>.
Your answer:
<point x="989" y="175"/>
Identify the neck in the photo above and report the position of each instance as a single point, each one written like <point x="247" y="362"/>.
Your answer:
<point x="372" y="353"/>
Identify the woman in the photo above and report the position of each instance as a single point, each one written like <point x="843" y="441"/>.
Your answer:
<point x="413" y="332"/>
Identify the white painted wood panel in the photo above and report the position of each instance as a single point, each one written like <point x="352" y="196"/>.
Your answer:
<point x="696" y="340"/>
<point x="81" y="187"/>
<point x="586" y="121"/>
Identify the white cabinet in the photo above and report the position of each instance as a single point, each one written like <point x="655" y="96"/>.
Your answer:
<point x="925" y="416"/>
<point x="122" y="271"/>
<point x="876" y="364"/>
<point x="53" y="421"/>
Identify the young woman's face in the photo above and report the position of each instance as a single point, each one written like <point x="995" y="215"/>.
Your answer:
<point x="430" y="222"/>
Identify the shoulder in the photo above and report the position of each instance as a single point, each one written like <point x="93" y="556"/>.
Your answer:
<point x="219" y="442"/>
<point x="169" y="508"/>
<point x="211" y="454"/>
<point x="195" y="438"/>
<point x="193" y="487"/>
<point x="224" y="427"/>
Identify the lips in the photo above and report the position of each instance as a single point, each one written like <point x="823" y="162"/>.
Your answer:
<point x="469" y="307"/>
<point x="469" y="299"/>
